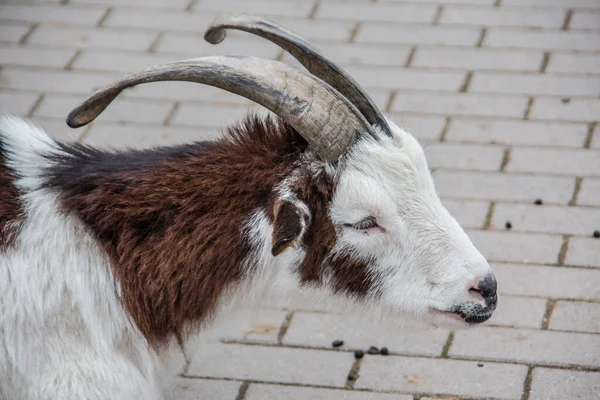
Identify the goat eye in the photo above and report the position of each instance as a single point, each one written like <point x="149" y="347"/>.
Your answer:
<point x="367" y="223"/>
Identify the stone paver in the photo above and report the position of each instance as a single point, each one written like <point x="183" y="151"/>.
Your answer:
<point x="319" y="330"/>
<point x="422" y="375"/>
<point x="272" y="364"/>
<point x="499" y="186"/>
<point x="576" y="316"/>
<point x="192" y="389"/>
<point x="272" y="392"/>
<point x="533" y="280"/>
<point x="525" y="345"/>
<point x="560" y="384"/>
<point x="505" y="97"/>
<point x="514" y="132"/>
<point x="546" y="218"/>
<point x="585" y="250"/>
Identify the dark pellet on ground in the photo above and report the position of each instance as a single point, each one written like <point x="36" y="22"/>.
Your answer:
<point x="597" y="234"/>
<point x="508" y="225"/>
<point x="385" y="351"/>
<point x="538" y="202"/>
<point x="373" y="350"/>
<point x="337" y="343"/>
<point x="352" y="376"/>
<point x="480" y="365"/>
<point x="359" y="354"/>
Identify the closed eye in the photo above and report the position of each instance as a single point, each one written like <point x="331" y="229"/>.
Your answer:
<point x="367" y="223"/>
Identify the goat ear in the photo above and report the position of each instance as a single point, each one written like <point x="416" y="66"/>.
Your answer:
<point x="288" y="223"/>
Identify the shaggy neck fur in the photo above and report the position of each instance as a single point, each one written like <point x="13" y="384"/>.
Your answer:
<point x="172" y="219"/>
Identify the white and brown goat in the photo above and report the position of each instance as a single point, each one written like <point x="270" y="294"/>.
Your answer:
<point x="107" y="258"/>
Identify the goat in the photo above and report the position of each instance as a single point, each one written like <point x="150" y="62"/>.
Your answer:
<point x="111" y="259"/>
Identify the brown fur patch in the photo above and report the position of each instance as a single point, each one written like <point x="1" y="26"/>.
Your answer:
<point x="171" y="218"/>
<point x="11" y="210"/>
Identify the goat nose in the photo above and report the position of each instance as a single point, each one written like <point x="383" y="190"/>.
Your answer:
<point x="486" y="288"/>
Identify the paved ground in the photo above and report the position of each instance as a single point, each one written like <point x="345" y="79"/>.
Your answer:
<point x="505" y="94"/>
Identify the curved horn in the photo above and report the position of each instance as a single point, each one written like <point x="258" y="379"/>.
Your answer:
<point x="306" y="54"/>
<point x="327" y="121"/>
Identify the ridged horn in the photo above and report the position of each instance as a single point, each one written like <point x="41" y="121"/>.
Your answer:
<point x="315" y="62"/>
<point x="327" y="121"/>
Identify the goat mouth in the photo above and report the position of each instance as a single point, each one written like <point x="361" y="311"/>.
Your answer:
<point x="459" y="314"/>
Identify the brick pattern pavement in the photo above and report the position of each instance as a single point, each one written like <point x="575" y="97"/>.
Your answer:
<point x="503" y="93"/>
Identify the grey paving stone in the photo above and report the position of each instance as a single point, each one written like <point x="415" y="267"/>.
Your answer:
<point x="468" y="213"/>
<point x="452" y="377"/>
<point x="589" y="194"/>
<point x="464" y="156"/>
<point x="192" y="389"/>
<point x="274" y="392"/>
<point x="89" y="16"/>
<point x="413" y="13"/>
<point x="272" y="364"/>
<point x="424" y="127"/>
<point x="541" y="281"/>
<point x="500" y="186"/>
<point x="120" y="110"/>
<point x="546" y="218"/>
<point x="564" y="384"/>
<point x="17" y="103"/>
<point x="575" y="63"/>
<point x="583" y="162"/>
<point x="477" y="59"/>
<point x="565" y="109"/>
<point x="194" y="45"/>
<point x="291" y="8"/>
<point x="555" y="3"/>
<point x="263" y="329"/>
<point x="155" y="20"/>
<point x="396" y="78"/>
<point x="556" y="85"/>
<point x="505" y="16"/>
<point x="584" y="251"/>
<point x="585" y="20"/>
<point x="319" y="330"/>
<point x="460" y="104"/>
<point x="177" y="4"/>
<point x="417" y="35"/>
<point x="83" y="38"/>
<point x="53" y="81"/>
<point x="118" y="61"/>
<point x="517" y="247"/>
<point x="525" y="345"/>
<point x="115" y="135"/>
<point x="12" y="32"/>
<point x="213" y="115"/>
<point x="517" y="132"/>
<point x="576" y="316"/>
<point x="542" y="39"/>
<point x="362" y="54"/>
<point x="518" y="312"/>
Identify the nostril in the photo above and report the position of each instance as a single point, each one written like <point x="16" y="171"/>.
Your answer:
<point x="475" y="292"/>
<point x="488" y="286"/>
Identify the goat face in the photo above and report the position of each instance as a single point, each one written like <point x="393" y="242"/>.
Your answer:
<point x="385" y="238"/>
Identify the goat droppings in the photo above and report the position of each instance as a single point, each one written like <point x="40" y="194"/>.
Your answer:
<point x="538" y="202"/>
<point x="384" y="351"/>
<point x="337" y="343"/>
<point x="352" y="376"/>
<point x="596" y="234"/>
<point x="373" y="350"/>
<point x="508" y="225"/>
<point x="358" y="354"/>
